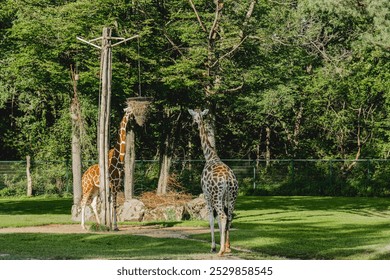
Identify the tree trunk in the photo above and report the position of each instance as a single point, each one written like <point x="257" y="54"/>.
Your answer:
<point x="76" y="168"/>
<point x="258" y="149"/>
<point x="166" y="151"/>
<point x="267" y="146"/>
<point x="165" y="166"/>
<point x="28" y="173"/>
<point x="129" y="164"/>
<point x="75" y="113"/>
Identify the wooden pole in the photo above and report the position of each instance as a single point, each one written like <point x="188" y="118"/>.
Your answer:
<point x="103" y="125"/>
<point x="129" y="164"/>
<point x="104" y="117"/>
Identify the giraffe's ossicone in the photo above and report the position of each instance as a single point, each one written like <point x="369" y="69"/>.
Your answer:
<point x="219" y="185"/>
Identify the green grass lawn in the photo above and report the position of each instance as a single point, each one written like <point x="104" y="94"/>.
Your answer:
<point x="315" y="227"/>
<point x="269" y="227"/>
<point x="34" y="211"/>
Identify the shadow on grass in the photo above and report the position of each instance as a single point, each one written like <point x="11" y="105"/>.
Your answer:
<point x="36" y="205"/>
<point x="314" y="227"/>
<point x="308" y="241"/>
<point x="96" y="246"/>
<point x="359" y="205"/>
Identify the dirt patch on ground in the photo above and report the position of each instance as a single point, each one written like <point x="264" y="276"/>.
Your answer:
<point x="151" y="231"/>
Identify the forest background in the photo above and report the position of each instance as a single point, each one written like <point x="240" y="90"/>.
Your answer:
<point x="294" y="79"/>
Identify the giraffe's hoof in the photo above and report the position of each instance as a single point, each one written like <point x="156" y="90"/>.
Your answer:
<point x="220" y="253"/>
<point x="116" y="229"/>
<point x="213" y="250"/>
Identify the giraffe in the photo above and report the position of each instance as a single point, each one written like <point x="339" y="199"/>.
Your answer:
<point x="90" y="178"/>
<point x="219" y="185"/>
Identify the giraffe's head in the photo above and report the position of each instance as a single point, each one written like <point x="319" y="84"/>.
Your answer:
<point x="197" y="115"/>
<point x="128" y="110"/>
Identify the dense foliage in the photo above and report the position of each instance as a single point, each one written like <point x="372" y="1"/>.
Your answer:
<point x="285" y="79"/>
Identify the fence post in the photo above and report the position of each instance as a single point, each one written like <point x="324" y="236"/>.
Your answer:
<point x="254" y="175"/>
<point x="292" y="171"/>
<point x="368" y="173"/>
<point x="330" y="173"/>
<point x="28" y="174"/>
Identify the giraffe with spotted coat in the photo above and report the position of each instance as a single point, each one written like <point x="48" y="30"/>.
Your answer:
<point x="219" y="185"/>
<point x="91" y="177"/>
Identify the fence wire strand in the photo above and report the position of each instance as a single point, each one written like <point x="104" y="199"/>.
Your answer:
<point x="324" y="177"/>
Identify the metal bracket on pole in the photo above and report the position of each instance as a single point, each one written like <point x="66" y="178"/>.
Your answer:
<point x="89" y="42"/>
<point x="124" y="40"/>
<point x="113" y="45"/>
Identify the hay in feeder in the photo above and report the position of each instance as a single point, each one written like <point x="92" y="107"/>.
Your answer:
<point x="140" y="107"/>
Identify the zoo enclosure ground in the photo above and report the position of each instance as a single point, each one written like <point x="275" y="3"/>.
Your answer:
<point x="264" y="227"/>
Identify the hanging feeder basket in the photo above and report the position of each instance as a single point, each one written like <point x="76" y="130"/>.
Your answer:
<point x="140" y="107"/>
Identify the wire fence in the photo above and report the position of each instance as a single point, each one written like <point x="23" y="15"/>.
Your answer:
<point x="333" y="177"/>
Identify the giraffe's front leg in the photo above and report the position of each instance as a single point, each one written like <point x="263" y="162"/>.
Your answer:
<point x="114" y="218"/>
<point x="83" y="216"/>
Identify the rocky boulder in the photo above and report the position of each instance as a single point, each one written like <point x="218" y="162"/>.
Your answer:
<point x="132" y="210"/>
<point x="165" y="213"/>
<point x="197" y="208"/>
<point x="89" y="215"/>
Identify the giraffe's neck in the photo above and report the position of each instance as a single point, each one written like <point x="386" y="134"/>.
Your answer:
<point x="209" y="151"/>
<point x="120" y="146"/>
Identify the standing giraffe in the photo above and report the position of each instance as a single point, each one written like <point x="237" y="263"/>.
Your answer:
<point x="219" y="185"/>
<point x="90" y="179"/>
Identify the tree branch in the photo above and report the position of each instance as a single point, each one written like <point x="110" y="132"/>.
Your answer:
<point x="197" y="16"/>
<point x="247" y="17"/>
<point x="234" y="48"/>
<point x="241" y="34"/>
<point x="214" y="27"/>
<point x="173" y="44"/>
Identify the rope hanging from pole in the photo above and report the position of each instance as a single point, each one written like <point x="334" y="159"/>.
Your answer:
<point x="139" y="69"/>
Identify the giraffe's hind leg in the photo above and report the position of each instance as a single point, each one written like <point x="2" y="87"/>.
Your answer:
<point x="227" y="242"/>
<point x="211" y="222"/>
<point x="83" y="204"/>
<point x="222" y="230"/>
<point x="94" y="205"/>
<point x="227" y="231"/>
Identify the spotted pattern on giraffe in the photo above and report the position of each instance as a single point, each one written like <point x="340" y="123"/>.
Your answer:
<point x="91" y="177"/>
<point x="219" y="185"/>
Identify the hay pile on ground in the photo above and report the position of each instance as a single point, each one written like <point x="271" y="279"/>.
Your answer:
<point x="152" y="200"/>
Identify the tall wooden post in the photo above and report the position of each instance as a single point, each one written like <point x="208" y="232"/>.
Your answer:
<point x="104" y="116"/>
<point x="28" y="172"/>
<point x="129" y="164"/>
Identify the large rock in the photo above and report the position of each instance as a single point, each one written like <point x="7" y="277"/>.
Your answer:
<point x="132" y="210"/>
<point x="197" y="208"/>
<point x="165" y="213"/>
<point x="89" y="215"/>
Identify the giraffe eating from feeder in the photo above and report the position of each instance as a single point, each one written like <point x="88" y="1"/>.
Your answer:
<point x="219" y="185"/>
<point x="91" y="177"/>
